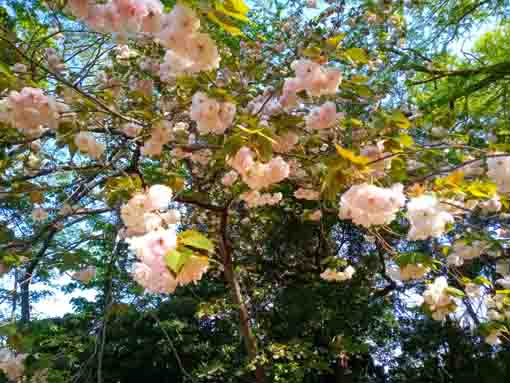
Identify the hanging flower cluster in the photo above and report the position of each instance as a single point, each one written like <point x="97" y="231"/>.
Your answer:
<point x="427" y="217"/>
<point x="313" y="78"/>
<point x="436" y="297"/>
<point x="285" y="143"/>
<point x="30" y="111"/>
<point x="152" y="235"/>
<point x="189" y="51"/>
<point x="160" y="135"/>
<point x="463" y="251"/>
<point x="258" y="175"/>
<point x="85" y="275"/>
<point x="368" y="205"/>
<point x="499" y="172"/>
<point x="12" y="365"/>
<point x="86" y="143"/>
<point x="210" y="115"/>
<point x="331" y="275"/>
<point x="322" y="117"/>
<point x="254" y="198"/>
<point x="121" y="16"/>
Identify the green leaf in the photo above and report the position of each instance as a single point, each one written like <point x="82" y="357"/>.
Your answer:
<point x="351" y="157"/>
<point x="358" y="55"/>
<point x="400" y="120"/>
<point x="175" y="260"/>
<point x="455" y="292"/>
<point x="335" y="40"/>
<point x="233" y="30"/>
<point x="481" y="189"/>
<point x="196" y="240"/>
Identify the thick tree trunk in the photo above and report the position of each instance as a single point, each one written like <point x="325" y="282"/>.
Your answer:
<point x="244" y="318"/>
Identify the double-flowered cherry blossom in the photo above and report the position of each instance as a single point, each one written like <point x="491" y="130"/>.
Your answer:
<point x="121" y="16"/>
<point x="30" y="110"/>
<point x="331" y="275"/>
<point x="258" y="175"/>
<point x="322" y="117"/>
<point x="285" y="142"/>
<point x="139" y="215"/>
<point x="85" y="275"/>
<point x="210" y="115"/>
<point x="463" y="251"/>
<point x="12" y="365"/>
<point x="152" y="272"/>
<point x="189" y="51"/>
<point x="427" y="217"/>
<point x="254" y="198"/>
<point x="313" y="78"/>
<point x="86" y="143"/>
<point x="161" y="134"/>
<point x="368" y="205"/>
<point x="307" y="194"/>
<point x="499" y="172"/>
<point x="438" y="300"/>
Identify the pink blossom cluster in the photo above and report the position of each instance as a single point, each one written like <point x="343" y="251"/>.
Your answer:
<point x="160" y="135"/>
<point x="39" y="214"/>
<point x="12" y="365"/>
<point x="143" y="86"/>
<point x="368" y="205"/>
<point x="152" y="272"/>
<point x="30" y="110"/>
<point x="437" y="298"/>
<point x="139" y="214"/>
<point x="285" y="142"/>
<point x="122" y="16"/>
<point x="407" y="272"/>
<point x="322" y="117"/>
<point x="85" y="275"/>
<point x="254" y="198"/>
<point x="331" y="275"/>
<point x="86" y="143"/>
<point x="189" y="51"/>
<point x="427" y="217"/>
<point x="308" y="194"/>
<point x="131" y="129"/>
<point x="230" y="178"/>
<point x="311" y="77"/>
<point x="258" y="175"/>
<point x="210" y="115"/>
<point x="54" y="61"/>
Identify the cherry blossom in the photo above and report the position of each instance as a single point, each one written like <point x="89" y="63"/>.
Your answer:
<point x="437" y="299"/>
<point x="323" y="117"/>
<point x="308" y="194"/>
<point x="39" y="214"/>
<point x="85" y="275"/>
<point x="332" y="275"/>
<point x="427" y="217"/>
<point x="210" y="115"/>
<point x="369" y="205"/>
<point x="499" y="172"/>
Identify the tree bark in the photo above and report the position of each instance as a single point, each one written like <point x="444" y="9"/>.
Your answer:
<point x="25" y="298"/>
<point x="244" y="318"/>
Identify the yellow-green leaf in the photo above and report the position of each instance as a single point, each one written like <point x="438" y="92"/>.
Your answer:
<point x="196" y="240"/>
<point x="335" y="40"/>
<point x="239" y="16"/>
<point x="400" y="120"/>
<point x="351" y="157"/>
<point x="358" y="55"/>
<point x="233" y="30"/>
<point x="481" y="189"/>
<point x="175" y="260"/>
